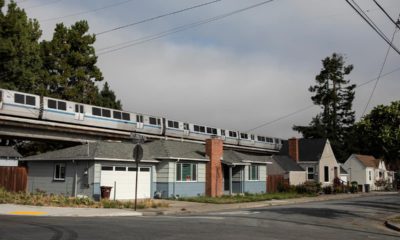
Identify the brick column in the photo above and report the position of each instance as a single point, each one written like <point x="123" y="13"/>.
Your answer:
<point x="214" y="150"/>
<point x="294" y="148"/>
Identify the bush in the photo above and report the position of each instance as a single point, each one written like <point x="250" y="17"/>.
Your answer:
<point x="327" y="190"/>
<point x="309" y="187"/>
<point x="354" y="187"/>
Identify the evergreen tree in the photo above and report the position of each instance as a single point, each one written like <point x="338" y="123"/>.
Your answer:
<point x="70" y="64"/>
<point x="20" y="62"/>
<point x="108" y="99"/>
<point x="335" y="95"/>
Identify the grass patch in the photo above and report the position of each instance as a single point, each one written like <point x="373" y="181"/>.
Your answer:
<point x="42" y="199"/>
<point x="245" y="198"/>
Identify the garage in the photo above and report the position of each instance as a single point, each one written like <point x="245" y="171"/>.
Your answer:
<point x="122" y="179"/>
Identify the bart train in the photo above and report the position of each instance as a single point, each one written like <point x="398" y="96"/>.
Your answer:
<point x="26" y="105"/>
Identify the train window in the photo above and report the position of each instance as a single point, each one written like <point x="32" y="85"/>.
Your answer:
<point x="105" y="113"/>
<point x="153" y="121"/>
<point x="233" y="134"/>
<point x="214" y="131"/>
<point x="96" y="111"/>
<point x="202" y="129"/>
<point x="52" y="104"/>
<point x="117" y="115"/>
<point x="173" y="124"/>
<point x="270" y="140"/>
<point x="19" y="98"/>
<point x="222" y="132"/>
<point x="261" y="139"/>
<point x="79" y="108"/>
<point x="196" y="128"/>
<point x="244" y="136"/>
<point x="186" y="126"/>
<point x="30" y="100"/>
<point x="252" y="137"/>
<point x="159" y="122"/>
<point x="62" y="105"/>
<point x="126" y="116"/>
<point x="209" y="130"/>
<point x="139" y="118"/>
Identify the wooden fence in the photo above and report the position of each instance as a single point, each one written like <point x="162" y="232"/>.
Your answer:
<point x="273" y="182"/>
<point x="13" y="179"/>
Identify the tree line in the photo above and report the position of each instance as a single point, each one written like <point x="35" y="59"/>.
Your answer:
<point x="377" y="133"/>
<point x="63" y="67"/>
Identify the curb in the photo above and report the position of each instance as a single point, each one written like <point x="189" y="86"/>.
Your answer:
<point x="392" y="225"/>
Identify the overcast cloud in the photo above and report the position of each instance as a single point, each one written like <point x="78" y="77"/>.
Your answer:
<point x="241" y="71"/>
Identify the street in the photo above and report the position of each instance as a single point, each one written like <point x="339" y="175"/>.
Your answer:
<point x="358" y="218"/>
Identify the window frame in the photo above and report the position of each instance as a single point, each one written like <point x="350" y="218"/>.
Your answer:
<point x="193" y="172"/>
<point x="326" y="174"/>
<point x="310" y="172"/>
<point x="257" y="173"/>
<point x="58" y="169"/>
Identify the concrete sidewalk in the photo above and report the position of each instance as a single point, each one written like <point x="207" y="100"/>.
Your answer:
<point x="175" y="207"/>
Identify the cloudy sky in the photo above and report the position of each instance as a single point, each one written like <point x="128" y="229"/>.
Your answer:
<point x="240" y="71"/>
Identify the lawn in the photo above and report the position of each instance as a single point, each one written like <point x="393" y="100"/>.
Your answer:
<point x="43" y="199"/>
<point x="245" y="198"/>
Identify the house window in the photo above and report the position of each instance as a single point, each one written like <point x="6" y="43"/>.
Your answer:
<point x="59" y="172"/>
<point x="326" y="174"/>
<point x="310" y="173"/>
<point x="380" y="174"/>
<point x="254" y="173"/>
<point x="186" y="172"/>
<point x="370" y="175"/>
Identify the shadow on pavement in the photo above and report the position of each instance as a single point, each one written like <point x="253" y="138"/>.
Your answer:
<point x="311" y="212"/>
<point x="393" y="207"/>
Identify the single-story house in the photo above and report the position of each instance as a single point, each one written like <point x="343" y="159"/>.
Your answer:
<point x="367" y="171"/>
<point x="9" y="156"/>
<point x="315" y="156"/>
<point x="169" y="168"/>
<point x="288" y="168"/>
<point x="344" y="175"/>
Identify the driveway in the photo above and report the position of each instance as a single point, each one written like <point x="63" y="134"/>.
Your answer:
<point x="357" y="218"/>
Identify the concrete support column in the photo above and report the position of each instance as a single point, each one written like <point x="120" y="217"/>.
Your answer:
<point x="214" y="150"/>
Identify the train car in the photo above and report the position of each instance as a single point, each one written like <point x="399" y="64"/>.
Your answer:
<point x="19" y="104"/>
<point x="246" y="139"/>
<point x="149" y="124"/>
<point x="231" y="137"/>
<point x="176" y="128"/>
<point x="84" y="114"/>
<point x="200" y="132"/>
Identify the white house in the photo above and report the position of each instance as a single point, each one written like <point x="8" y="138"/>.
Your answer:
<point x="367" y="171"/>
<point x="9" y="156"/>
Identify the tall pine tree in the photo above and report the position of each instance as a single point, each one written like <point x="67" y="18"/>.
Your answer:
<point x="20" y="62"/>
<point x="335" y="95"/>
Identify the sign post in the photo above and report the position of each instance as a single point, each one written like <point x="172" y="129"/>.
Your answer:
<point x="137" y="155"/>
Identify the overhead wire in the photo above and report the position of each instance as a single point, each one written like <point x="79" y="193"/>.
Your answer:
<point x="87" y="11"/>
<point x="156" y="17"/>
<point x="178" y="29"/>
<point x="384" y="11"/>
<point x="371" y="23"/>
<point x="379" y="76"/>
<point x="42" y="5"/>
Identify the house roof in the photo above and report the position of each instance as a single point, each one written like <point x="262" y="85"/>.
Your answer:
<point x="6" y="151"/>
<point x="233" y="157"/>
<point x="102" y="150"/>
<point x="310" y="149"/>
<point x="343" y="171"/>
<point x="283" y="164"/>
<point x="367" y="160"/>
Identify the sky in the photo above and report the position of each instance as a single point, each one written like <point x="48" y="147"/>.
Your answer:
<point x="238" y="72"/>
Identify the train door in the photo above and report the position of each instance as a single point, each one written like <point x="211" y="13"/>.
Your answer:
<point x="139" y="121"/>
<point x="79" y="112"/>
<point x="186" y="129"/>
<point x="1" y="99"/>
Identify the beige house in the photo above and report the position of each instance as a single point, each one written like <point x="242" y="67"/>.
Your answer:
<point x="315" y="156"/>
<point x="367" y="171"/>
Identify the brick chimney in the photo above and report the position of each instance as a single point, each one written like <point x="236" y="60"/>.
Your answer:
<point x="294" y="148"/>
<point x="214" y="150"/>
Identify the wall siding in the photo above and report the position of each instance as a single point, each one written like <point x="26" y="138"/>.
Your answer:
<point x="183" y="189"/>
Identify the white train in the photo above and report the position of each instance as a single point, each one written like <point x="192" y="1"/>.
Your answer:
<point x="52" y="109"/>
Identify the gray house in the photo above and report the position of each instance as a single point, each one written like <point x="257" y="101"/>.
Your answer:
<point x="9" y="156"/>
<point x="168" y="168"/>
<point x="288" y="168"/>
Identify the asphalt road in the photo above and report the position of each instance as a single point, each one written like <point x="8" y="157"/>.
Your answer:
<point x="360" y="218"/>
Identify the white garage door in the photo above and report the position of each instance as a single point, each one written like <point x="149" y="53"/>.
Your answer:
<point x="124" y="179"/>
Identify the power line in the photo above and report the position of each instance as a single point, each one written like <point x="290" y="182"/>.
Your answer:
<point x="43" y="4"/>
<point x="178" y="29"/>
<point x="156" y="17"/>
<point x="379" y="76"/>
<point x="86" y="12"/>
<point x="310" y="106"/>
<point x="384" y="11"/>
<point x="371" y="23"/>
